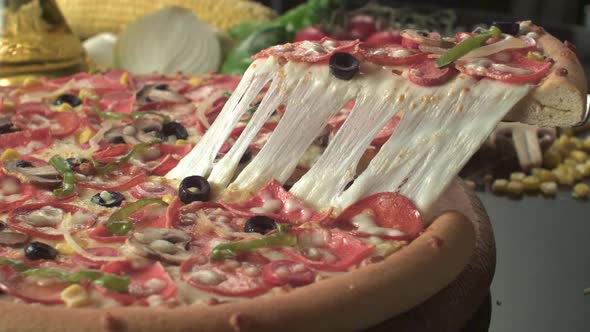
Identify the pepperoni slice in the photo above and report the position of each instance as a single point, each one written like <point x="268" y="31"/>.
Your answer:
<point x="240" y="277"/>
<point x="385" y="132"/>
<point x="535" y="70"/>
<point x="286" y="272"/>
<point x="275" y="202"/>
<point x="151" y="280"/>
<point x="118" y="101"/>
<point x="157" y="159"/>
<point x="16" y="284"/>
<point x="203" y="219"/>
<point x="61" y="124"/>
<point x="27" y="141"/>
<point x="13" y="192"/>
<point x="393" y="55"/>
<point x="80" y="260"/>
<point x="123" y="178"/>
<point x="426" y="73"/>
<point x="170" y="155"/>
<point x="328" y="250"/>
<point x="310" y="51"/>
<point x="385" y="210"/>
<point x="152" y="189"/>
<point x="102" y="235"/>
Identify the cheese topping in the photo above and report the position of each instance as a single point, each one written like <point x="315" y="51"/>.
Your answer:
<point x="365" y="224"/>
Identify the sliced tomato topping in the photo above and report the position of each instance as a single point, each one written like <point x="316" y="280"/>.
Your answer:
<point x="13" y="192"/>
<point x="385" y="210"/>
<point x="240" y="277"/>
<point x="152" y="189"/>
<point x="393" y="55"/>
<point x="145" y="282"/>
<point x="42" y="220"/>
<point x="275" y="202"/>
<point x="426" y="73"/>
<point x="16" y="284"/>
<point x="286" y="272"/>
<point x="123" y="178"/>
<point x="80" y="260"/>
<point x="328" y="249"/>
<point x="61" y="124"/>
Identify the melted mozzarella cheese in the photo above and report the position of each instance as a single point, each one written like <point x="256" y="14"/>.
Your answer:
<point x="365" y="224"/>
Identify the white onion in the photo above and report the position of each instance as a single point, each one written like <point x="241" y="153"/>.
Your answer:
<point x="167" y="41"/>
<point x="100" y="48"/>
<point x="80" y="251"/>
<point x="505" y="44"/>
<point x="432" y="49"/>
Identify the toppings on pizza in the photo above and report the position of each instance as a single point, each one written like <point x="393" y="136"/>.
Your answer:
<point x="286" y="272"/>
<point x="194" y="189"/>
<point x="168" y="245"/>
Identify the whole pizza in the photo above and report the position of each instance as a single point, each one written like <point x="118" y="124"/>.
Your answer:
<point x="105" y="227"/>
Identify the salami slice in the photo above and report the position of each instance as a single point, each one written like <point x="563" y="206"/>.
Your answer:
<point x="519" y="69"/>
<point x="426" y="73"/>
<point x="275" y="202"/>
<point x="13" y="192"/>
<point x="393" y="55"/>
<point x="16" y="284"/>
<point x="286" y="272"/>
<point x="203" y="219"/>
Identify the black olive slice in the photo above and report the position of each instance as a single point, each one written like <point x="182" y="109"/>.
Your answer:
<point x="67" y="98"/>
<point x="39" y="250"/>
<point x="174" y="129"/>
<point x="260" y="224"/>
<point x="108" y="199"/>
<point x="23" y="164"/>
<point x="344" y="66"/>
<point x="194" y="188"/>
<point x="73" y="161"/>
<point x="161" y="86"/>
<point x="511" y="28"/>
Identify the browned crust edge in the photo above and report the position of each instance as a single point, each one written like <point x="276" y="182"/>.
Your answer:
<point x="558" y="100"/>
<point x="345" y="303"/>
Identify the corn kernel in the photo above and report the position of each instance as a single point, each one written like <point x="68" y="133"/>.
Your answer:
<point x="470" y="184"/>
<point x="75" y="296"/>
<point x="87" y="94"/>
<point x="583" y="169"/>
<point x="546" y="175"/>
<point x="548" y="188"/>
<point x="195" y="81"/>
<point x="500" y="185"/>
<point x="570" y="162"/>
<point x="576" y="142"/>
<point x="64" y="107"/>
<point x="517" y="176"/>
<point x="182" y="142"/>
<point x="31" y="81"/>
<point x="64" y="249"/>
<point x="564" y="176"/>
<point x="581" y="190"/>
<point x="531" y="183"/>
<point x="566" y="131"/>
<point x="586" y="144"/>
<point x="167" y="198"/>
<point x="124" y="78"/>
<point x="579" y="156"/>
<point x="85" y="136"/>
<point x="551" y="158"/>
<point x="515" y="187"/>
<point x="9" y="154"/>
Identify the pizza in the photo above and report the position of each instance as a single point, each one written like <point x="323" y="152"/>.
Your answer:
<point x="301" y="196"/>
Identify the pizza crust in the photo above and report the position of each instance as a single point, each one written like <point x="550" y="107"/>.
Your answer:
<point x="351" y="301"/>
<point x="558" y="101"/>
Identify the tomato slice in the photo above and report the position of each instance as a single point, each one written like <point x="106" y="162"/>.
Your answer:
<point x="393" y="55"/>
<point x="387" y="210"/>
<point x="145" y="282"/>
<point x="42" y="220"/>
<point x="15" y="284"/>
<point x="13" y="193"/>
<point x="328" y="250"/>
<point x="286" y="272"/>
<point x="426" y="73"/>
<point x="240" y="277"/>
<point x="80" y="260"/>
<point x="275" y="202"/>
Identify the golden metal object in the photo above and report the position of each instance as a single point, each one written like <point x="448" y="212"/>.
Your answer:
<point x="36" y="41"/>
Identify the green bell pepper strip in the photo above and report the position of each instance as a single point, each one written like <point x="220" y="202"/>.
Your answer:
<point x="113" y="165"/>
<point x="132" y="115"/>
<point x="17" y="265"/>
<point x="231" y="249"/>
<point x="69" y="180"/>
<point x="119" y="284"/>
<point x="467" y="46"/>
<point x="117" y="224"/>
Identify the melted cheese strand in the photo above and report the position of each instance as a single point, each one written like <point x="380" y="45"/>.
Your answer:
<point x="337" y="165"/>
<point x="277" y="94"/>
<point x="200" y="160"/>
<point x="316" y="98"/>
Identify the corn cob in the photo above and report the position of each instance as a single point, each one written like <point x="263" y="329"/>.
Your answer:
<point x="89" y="17"/>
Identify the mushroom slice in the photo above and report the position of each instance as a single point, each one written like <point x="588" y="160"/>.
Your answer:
<point x="157" y="93"/>
<point x="45" y="176"/>
<point x="166" y="244"/>
<point x="13" y="239"/>
<point x="123" y="134"/>
<point x="148" y="127"/>
<point x="5" y="124"/>
<point x="424" y="38"/>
